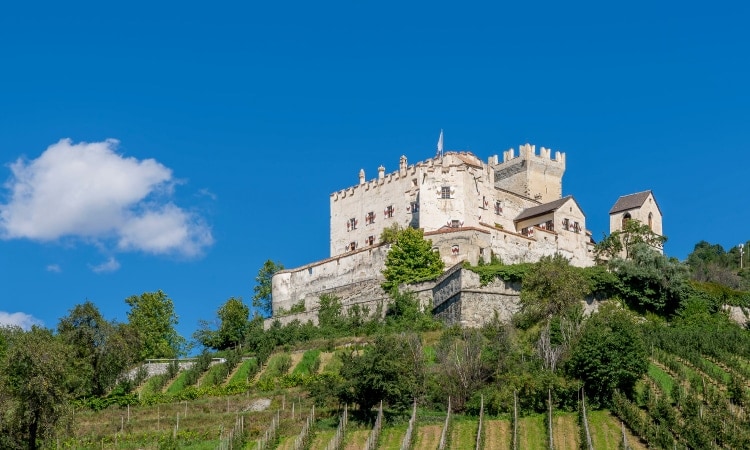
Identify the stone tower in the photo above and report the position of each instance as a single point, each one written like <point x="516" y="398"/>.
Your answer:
<point x="534" y="176"/>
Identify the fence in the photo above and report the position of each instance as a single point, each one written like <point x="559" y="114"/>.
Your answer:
<point x="338" y="438"/>
<point x="444" y="434"/>
<point x="236" y="436"/>
<point x="304" y="435"/>
<point x="269" y="437"/>
<point x="372" y="439"/>
<point x="406" y="442"/>
<point x="585" y="421"/>
<point x="480" y="430"/>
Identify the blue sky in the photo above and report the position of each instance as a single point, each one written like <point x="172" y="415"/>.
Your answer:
<point x="177" y="146"/>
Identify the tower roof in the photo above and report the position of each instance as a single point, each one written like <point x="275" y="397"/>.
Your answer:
<point x="632" y="201"/>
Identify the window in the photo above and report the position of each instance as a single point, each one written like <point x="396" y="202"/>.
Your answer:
<point x="455" y="224"/>
<point x="650" y="221"/>
<point x="388" y="212"/>
<point x="445" y="192"/>
<point x="576" y="227"/>
<point x="566" y="224"/>
<point x="625" y="219"/>
<point x="370" y="218"/>
<point x="352" y="246"/>
<point x="351" y="224"/>
<point x="370" y="240"/>
<point x="549" y="225"/>
<point x="526" y="231"/>
<point x="414" y="207"/>
<point x="498" y="207"/>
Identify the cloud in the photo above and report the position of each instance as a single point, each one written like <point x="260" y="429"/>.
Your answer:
<point x="18" y="319"/>
<point x="110" y="265"/>
<point x="89" y="191"/>
<point x="55" y="268"/>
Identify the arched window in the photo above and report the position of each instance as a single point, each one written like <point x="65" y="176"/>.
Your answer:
<point x="625" y="219"/>
<point x="651" y="221"/>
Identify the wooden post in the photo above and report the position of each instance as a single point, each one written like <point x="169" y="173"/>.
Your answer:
<point x="515" y="420"/>
<point x="549" y="425"/>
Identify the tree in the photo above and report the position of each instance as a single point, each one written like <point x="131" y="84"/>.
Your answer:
<point x="649" y="281"/>
<point x="552" y="286"/>
<point x="390" y="370"/>
<point x="610" y="354"/>
<point x="462" y="369"/>
<point x="152" y="316"/>
<point x="233" y="326"/>
<point x="262" y="298"/>
<point x="633" y="232"/>
<point x="100" y="348"/>
<point x="33" y="375"/>
<point x="411" y="259"/>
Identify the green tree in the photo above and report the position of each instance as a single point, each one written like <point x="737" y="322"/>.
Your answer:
<point x="649" y="281"/>
<point x="33" y="376"/>
<point x="411" y="260"/>
<point x="633" y="232"/>
<point x="233" y="326"/>
<point x="262" y="299"/>
<point x="390" y="370"/>
<point x="152" y="316"/>
<point x="551" y="287"/>
<point x="101" y="349"/>
<point x="610" y="354"/>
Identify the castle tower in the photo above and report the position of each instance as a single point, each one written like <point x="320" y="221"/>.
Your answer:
<point x="538" y="177"/>
<point x="640" y="206"/>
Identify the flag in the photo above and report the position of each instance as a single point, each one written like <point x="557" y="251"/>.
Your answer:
<point x="440" y="145"/>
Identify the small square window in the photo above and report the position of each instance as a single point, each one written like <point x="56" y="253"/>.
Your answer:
<point x="445" y="192"/>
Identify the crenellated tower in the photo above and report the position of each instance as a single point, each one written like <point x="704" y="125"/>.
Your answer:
<point x="536" y="176"/>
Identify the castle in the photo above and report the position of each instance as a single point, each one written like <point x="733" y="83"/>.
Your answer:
<point x="469" y="209"/>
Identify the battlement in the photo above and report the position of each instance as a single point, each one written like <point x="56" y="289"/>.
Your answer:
<point x="528" y="152"/>
<point x="406" y="170"/>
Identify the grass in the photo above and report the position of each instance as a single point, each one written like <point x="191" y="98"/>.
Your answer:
<point x="310" y="363"/>
<point x="606" y="431"/>
<point x="429" y="355"/>
<point x="427" y="436"/>
<point x="214" y="375"/>
<point x="178" y="384"/>
<point x="278" y="366"/>
<point x="321" y="439"/>
<point x="151" y="386"/>
<point x="242" y="374"/>
<point x="334" y="364"/>
<point x="356" y="439"/>
<point x="391" y="437"/>
<point x="497" y="434"/>
<point x="662" y="379"/>
<point x="717" y="370"/>
<point x="565" y="432"/>
<point x="532" y="433"/>
<point x="463" y="433"/>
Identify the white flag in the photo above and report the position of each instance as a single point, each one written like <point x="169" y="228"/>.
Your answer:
<point x="440" y="144"/>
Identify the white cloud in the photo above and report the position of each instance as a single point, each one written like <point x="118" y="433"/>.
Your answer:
<point x="89" y="191"/>
<point x="55" y="268"/>
<point x="18" y="319"/>
<point x="110" y="265"/>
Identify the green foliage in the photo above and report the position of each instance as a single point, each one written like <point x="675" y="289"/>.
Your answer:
<point x="410" y="260"/>
<point x="551" y="286"/>
<point x="610" y="354"/>
<point x="33" y="395"/>
<point x="262" y="297"/>
<point x="649" y="281"/>
<point x="101" y="350"/>
<point x="153" y="318"/>
<point x="510" y="273"/>
<point x="389" y="370"/>
<point x="633" y="233"/>
<point x="233" y="326"/>
<point x="390" y="234"/>
<point x="329" y="314"/>
<point x="310" y="363"/>
<point x="405" y="313"/>
<point x="711" y="263"/>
